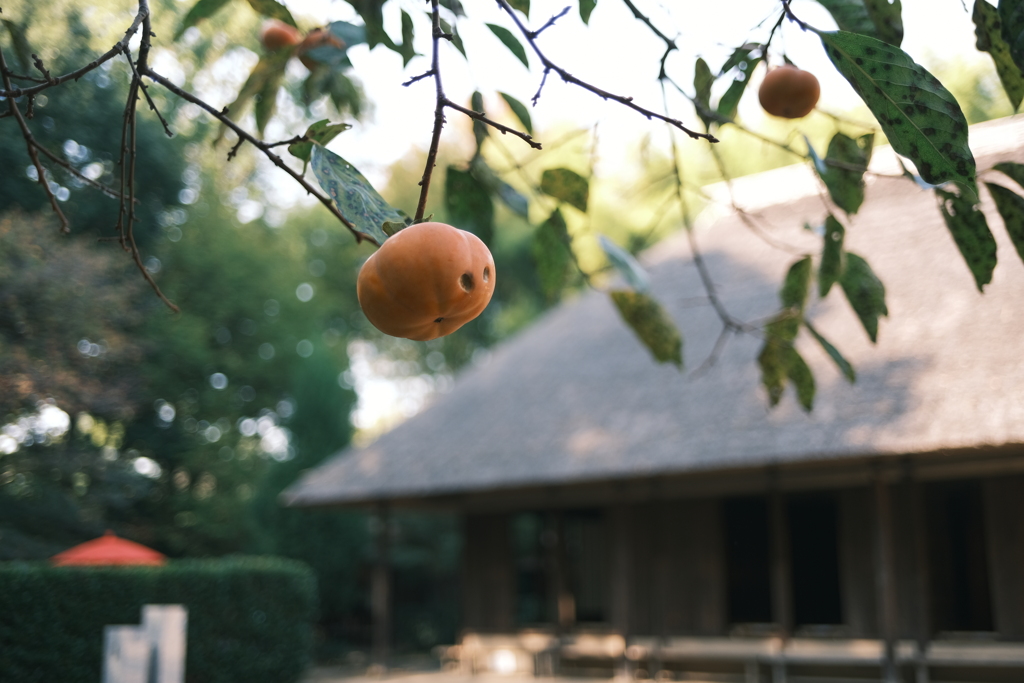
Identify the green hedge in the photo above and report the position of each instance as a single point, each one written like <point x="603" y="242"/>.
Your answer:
<point x="249" y="618"/>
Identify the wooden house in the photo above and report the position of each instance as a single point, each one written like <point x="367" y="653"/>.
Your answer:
<point x="621" y="514"/>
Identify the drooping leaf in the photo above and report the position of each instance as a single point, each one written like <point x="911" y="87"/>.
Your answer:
<point x="20" y="43"/>
<point x="266" y="101"/>
<point x="845" y="164"/>
<point x="865" y="292"/>
<point x="265" y="77"/>
<point x="319" y="133"/>
<point x="831" y="255"/>
<point x="550" y="250"/>
<point x="921" y="119"/>
<point x="652" y="325"/>
<point x="203" y="9"/>
<point x="495" y="185"/>
<point x="1011" y="208"/>
<point x="520" y="110"/>
<point x="819" y="163"/>
<point x="373" y="18"/>
<point x="851" y="15"/>
<point x="272" y="9"/>
<point x="730" y="100"/>
<point x="511" y="42"/>
<point x="887" y="15"/>
<point x="469" y="204"/>
<point x="988" y="29"/>
<point x="1011" y="16"/>
<point x="454" y="33"/>
<point x="844" y="365"/>
<point x="796" y="285"/>
<point x="702" y="80"/>
<point x="628" y="266"/>
<point x="480" y="129"/>
<point x="780" y="361"/>
<point x="586" y="7"/>
<point x="353" y="194"/>
<point x="406" y="49"/>
<point x="344" y="93"/>
<point x="521" y="5"/>
<point x="913" y="177"/>
<point x="1012" y="169"/>
<point x="566" y="185"/>
<point x="349" y="34"/>
<point x="738" y="56"/>
<point x="967" y="224"/>
<point x="455" y="6"/>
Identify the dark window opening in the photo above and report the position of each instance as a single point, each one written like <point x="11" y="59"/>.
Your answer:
<point x="586" y="564"/>
<point x="530" y="537"/>
<point x="813" y="521"/>
<point x="747" y="560"/>
<point x="959" y="561"/>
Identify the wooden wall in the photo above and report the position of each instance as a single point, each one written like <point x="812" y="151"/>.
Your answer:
<point x="1004" y="512"/>
<point x="488" y="577"/>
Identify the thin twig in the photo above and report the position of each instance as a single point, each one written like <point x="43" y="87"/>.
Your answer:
<point x="550" y="23"/>
<point x="435" y="137"/>
<point x="38" y="63"/>
<point x="30" y="143"/>
<point x="569" y="78"/>
<point x="118" y="48"/>
<point x="479" y="116"/>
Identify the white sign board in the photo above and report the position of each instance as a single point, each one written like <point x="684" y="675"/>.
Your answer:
<point x="153" y="652"/>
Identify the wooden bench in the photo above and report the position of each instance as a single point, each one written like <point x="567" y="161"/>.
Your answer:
<point x="508" y="653"/>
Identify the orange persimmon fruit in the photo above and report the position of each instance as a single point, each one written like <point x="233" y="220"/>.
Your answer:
<point x="276" y="34"/>
<point x="789" y="92"/>
<point x="426" y="281"/>
<point x="318" y="37"/>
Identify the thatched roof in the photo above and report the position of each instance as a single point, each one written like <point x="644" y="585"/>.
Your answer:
<point x="575" y="398"/>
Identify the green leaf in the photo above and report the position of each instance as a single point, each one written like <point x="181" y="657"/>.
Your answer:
<point x="567" y="186"/>
<point x="921" y="119"/>
<point x="586" y="7"/>
<point x="495" y="185"/>
<point x="521" y="5"/>
<point x="831" y="255"/>
<point x="353" y="194"/>
<point x="551" y="253"/>
<point x="454" y="33"/>
<point x="967" y="224"/>
<point x="851" y="15"/>
<point x="841" y="362"/>
<point x="730" y="100"/>
<point x="1011" y="15"/>
<point x="320" y="133"/>
<point x="1012" y="169"/>
<point x="780" y="361"/>
<point x="20" y="44"/>
<point x="406" y="49"/>
<point x="469" y="204"/>
<point x="349" y="34"/>
<point x="520" y="110"/>
<point x="865" y="292"/>
<point x="887" y="15"/>
<point x="738" y="56"/>
<point x="201" y="10"/>
<point x="846" y="185"/>
<point x="264" y="79"/>
<point x="796" y="285"/>
<point x="373" y="18"/>
<point x="652" y="325"/>
<point x="988" y="29"/>
<point x="480" y="129"/>
<point x="1011" y="208"/>
<point x="511" y="42"/>
<point x="702" y="80"/>
<point x="628" y="266"/>
<point x="273" y="10"/>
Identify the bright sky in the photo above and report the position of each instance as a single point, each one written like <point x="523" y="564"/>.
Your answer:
<point x="617" y="53"/>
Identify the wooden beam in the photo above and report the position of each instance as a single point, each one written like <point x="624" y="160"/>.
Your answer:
<point x="885" y="579"/>
<point x="380" y="589"/>
<point x="620" y="574"/>
<point x="782" y="571"/>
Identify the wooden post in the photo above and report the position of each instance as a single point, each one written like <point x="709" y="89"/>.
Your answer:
<point x="922" y="597"/>
<point x="782" y="574"/>
<point x="620" y="565"/>
<point x="885" y="576"/>
<point x="380" y="589"/>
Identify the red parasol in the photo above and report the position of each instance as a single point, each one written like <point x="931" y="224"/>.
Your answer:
<point x="108" y="549"/>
